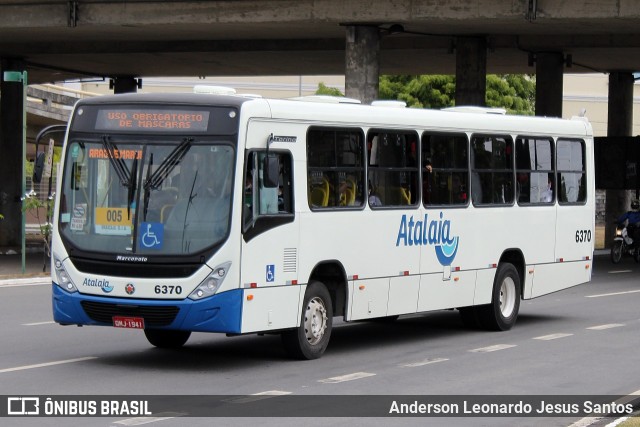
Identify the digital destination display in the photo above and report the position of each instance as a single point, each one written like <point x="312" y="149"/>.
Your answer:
<point x="128" y="119"/>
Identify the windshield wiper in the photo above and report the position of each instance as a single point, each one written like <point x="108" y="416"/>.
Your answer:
<point x="132" y="186"/>
<point x="166" y="167"/>
<point x="192" y="196"/>
<point x="147" y="188"/>
<point x="127" y="177"/>
<point x="117" y="163"/>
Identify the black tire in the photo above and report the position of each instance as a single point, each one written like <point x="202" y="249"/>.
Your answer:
<point x="636" y="255"/>
<point x="310" y="339"/>
<point x="616" y="251"/>
<point x="502" y="313"/>
<point x="163" y="338"/>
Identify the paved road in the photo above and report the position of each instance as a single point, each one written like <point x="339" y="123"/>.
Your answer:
<point x="579" y="341"/>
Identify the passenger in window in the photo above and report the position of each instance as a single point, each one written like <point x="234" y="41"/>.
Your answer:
<point x="374" y="200"/>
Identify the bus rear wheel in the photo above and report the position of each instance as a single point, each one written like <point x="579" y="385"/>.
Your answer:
<point x="163" y="338"/>
<point x="502" y="313"/>
<point x="310" y="339"/>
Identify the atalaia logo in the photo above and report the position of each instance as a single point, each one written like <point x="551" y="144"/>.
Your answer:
<point x="426" y="231"/>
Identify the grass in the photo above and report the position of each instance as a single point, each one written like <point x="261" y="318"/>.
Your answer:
<point x="633" y="421"/>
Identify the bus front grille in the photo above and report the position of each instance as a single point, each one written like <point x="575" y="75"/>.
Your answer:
<point x="152" y="315"/>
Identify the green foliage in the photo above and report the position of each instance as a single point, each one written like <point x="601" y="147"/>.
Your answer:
<point x="425" y="91"/>
<point x="326" y="90"/>
<point x="515" y="93"/>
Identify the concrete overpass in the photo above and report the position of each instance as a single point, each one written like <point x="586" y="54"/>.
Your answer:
<point x="59" y="40"/>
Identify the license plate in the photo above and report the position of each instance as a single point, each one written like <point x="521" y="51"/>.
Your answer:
<point x="128" y="322"/>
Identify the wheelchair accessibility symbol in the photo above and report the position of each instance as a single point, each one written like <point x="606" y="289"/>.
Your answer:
<point x="151" y="235"/>
<point x="271" y="272"/>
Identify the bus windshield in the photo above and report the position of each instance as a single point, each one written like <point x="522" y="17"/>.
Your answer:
<point x="128" y="194"/>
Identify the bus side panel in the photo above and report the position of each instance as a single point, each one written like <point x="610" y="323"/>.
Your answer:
<point x="273" y="308"/>
<point x="369" y="298"/>
<point x="550" y="278"/>
<point x="403" y="295"/>
<point x="437" y="294"/>
<point x="484" y="286"/>
<point x="575" y="233"/>
<point x="527" y="282"/>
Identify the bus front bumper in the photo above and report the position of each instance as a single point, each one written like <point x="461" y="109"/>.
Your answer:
<point x="218" y="313"/>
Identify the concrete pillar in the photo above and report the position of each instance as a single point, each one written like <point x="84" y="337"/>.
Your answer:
<point x="362" y="63"/>
<point x="471" y="71"/>
<point x="619" y="123"/>
<point x="125" y="84"/>
<point x="549" y="75"/>
<point x="11" y="124"/>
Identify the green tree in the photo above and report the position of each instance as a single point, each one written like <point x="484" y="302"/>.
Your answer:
<point x="424" y="91"/>
<point x="515" y="93"/>
<point x="326" y="90"/>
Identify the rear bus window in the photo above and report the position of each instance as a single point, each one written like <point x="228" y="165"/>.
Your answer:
<point x="535" y="181"/>
<point x="572" y="180"/>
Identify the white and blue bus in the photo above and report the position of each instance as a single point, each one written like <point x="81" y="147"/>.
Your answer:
<point x="178" y="213"/>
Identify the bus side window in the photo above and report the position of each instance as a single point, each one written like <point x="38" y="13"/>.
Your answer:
<point x="492" y="178"/>
<point x="335" y="168"/>
<point x="445" y="175"/>
<point x="393" y="168"/>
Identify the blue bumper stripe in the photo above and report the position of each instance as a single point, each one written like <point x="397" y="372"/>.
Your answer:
<point x="219" y="313"/>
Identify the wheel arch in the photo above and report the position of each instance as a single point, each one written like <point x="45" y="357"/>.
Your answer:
<point x="332" y="274"/>
<point x="515" y="257"/>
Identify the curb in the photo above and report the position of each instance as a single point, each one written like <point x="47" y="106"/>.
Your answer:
<point x="37" y="280"/>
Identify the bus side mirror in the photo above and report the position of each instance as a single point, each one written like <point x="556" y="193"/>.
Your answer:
<point x="271" y="171"/>
<point x="38" y="167"/>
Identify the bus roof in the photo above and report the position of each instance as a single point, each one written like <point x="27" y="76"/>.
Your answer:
<point x="444" y="120"/>
<point x="351" y="114"/>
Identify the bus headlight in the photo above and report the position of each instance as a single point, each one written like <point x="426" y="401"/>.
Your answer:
<point x="64" y="280"/>
<point x="211" y="284"/>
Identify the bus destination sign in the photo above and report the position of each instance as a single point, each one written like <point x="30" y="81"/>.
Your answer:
<point x="126" y="119"/>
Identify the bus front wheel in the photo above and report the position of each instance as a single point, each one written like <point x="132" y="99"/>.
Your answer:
<point x="310" y="339"/>
<point x="502" y="313"/>
<point x="163" y="338"/>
